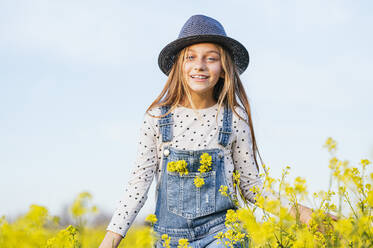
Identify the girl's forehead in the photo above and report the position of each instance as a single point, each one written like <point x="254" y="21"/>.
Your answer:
<point x="202" y="47"/>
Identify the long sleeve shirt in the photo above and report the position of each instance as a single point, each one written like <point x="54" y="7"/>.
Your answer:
<point x="191" y="131"/>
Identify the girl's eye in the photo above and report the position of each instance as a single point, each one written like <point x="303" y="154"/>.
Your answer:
<point x="210" y="58"/>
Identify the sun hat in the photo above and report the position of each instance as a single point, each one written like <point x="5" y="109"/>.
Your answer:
<point x="202" y="28"/>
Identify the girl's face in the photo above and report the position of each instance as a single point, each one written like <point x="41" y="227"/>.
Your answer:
<point x="202" y="59"/>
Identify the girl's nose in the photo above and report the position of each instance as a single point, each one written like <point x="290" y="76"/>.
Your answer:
<point x="199" y="65"/>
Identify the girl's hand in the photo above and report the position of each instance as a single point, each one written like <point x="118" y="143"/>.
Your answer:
<point x="305" y="214"/>
<point x="305" y="217"/>
<point x="335" y="218"/>
<point x="111" y="240"/>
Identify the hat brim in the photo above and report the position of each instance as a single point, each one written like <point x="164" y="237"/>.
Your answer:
<point x="238" y="52"/>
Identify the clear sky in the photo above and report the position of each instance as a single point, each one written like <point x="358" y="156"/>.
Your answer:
<point x="77" y="76"/>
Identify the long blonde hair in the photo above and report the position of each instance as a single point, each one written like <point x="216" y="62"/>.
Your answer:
<point x="226" y="91"/>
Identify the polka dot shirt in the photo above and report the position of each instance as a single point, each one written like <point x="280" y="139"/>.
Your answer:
<point x="192" y="130"/>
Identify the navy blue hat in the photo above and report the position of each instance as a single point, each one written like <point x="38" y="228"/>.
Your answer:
<point x="201" y="28"/>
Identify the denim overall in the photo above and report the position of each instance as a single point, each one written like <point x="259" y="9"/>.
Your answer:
<point x="182" y="209"/>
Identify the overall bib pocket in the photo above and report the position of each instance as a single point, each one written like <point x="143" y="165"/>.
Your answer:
<point x="187" y="200"/>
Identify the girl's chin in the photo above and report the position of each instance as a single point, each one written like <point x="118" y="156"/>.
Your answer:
<point x="200" y="90"/>
<point x="199" y="86"/>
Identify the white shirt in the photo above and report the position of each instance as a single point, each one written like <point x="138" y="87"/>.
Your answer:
<point x="190" y="132"/>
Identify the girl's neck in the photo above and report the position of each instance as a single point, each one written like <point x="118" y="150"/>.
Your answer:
<point x="199" y="102"/>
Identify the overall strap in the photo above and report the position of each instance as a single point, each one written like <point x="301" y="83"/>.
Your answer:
<point x="226" y="130"/>
<point x="165" y="124"/>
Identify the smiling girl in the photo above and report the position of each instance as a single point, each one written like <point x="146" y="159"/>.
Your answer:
<point x="201" y="118"/>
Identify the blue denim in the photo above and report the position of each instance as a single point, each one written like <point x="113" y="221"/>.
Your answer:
<point x="207" y="241"/>
<point x="184" y="210"/>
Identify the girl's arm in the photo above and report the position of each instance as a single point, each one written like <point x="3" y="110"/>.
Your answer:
<point x="305" y="213"/>
<point x="141" y="177"/>
<point x="111" y="240"/>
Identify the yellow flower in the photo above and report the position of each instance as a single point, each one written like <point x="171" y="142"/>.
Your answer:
<point x="223" y="190"/>
<point x="178" y="166"/>
<point x="152" y="218"/>
<point x="171" y="166"/>
<point x="205" y="157"/>
<point x="198" y="181"/>
<point x="143" y="238"/>
<point x="220" y="235"/>
<point x="330" y="144"/>
<point x="233" y="236"/>
<point x="236" y="176"/>
<point x="67" y="237"/>
<point x="205" y="167"/>
<point x="167" y="240"/>
<point x="79" y="208"/>
<point x="231" y="217"/>
<point x="205" y="161"/>
<point x="364" y="162"/>
<point x="299" y="184"/>
<point x="183" y="243"/>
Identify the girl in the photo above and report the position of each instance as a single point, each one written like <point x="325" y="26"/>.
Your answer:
<point x="197" y="117"/>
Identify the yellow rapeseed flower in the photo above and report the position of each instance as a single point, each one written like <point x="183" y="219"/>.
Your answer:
<point x="330" y="144"/>
<point x="220" y="235"/>
<point x="151" y="218"/>
<point x="178" y="166"/>
<point x="236" y="175"/>
<point x="65" y="238"/>
<point x="231" y="217"/>
<point x="236" y="178"/>
<point x="183" y="243"/>
<point x="166" y="241"/>
<point x="364" y="163"/>
<point x="144" y="238"/>
<point x="300" y="185"/>
<point x="198" y="181"/>
<point x="171" y="166"/>
<point x="223" y="190"/>
<point x="205" y="166"/>
<point x="205" y="161"/>
<point x="234" y="236"/>
<point x="205" y="157"/>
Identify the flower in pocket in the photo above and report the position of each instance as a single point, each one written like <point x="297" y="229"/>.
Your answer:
<point x="205" y="161"/>
<point x="198" y="181"/>
<point x="205" y="158"/>
<point x="178" y="166"/>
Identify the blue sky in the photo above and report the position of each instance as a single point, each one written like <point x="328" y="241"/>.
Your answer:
<point x="77" y="76"/>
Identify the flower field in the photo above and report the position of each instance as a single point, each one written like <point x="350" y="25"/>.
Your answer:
<point x="349" y="198"/>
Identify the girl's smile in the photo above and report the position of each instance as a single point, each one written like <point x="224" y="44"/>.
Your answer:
<point x="199" y="77"/>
